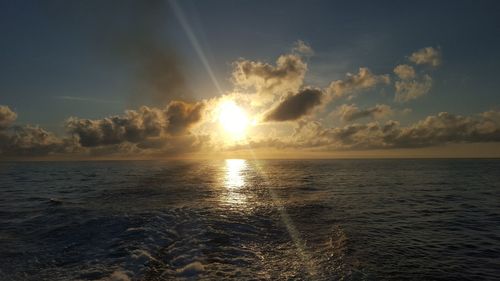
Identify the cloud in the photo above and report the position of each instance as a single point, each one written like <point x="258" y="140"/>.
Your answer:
<point x="428" y="55"/>
<point x="295" y="106"/>
<point x="7" y="117"/>
<point x="136" y="126"/>
<point x="354" y="83"/>
<point x="28" y="140"/>
<point x="300" y="47"/>
<point x="180" y="127"/>
<point x="411" y="87"/>
<point x="143" y="132"/>
<point x="286" y="76"/>
<point x="181" y="116"/>
<point x="352" y="112"/>
<point x="182" y="144"/>
<point x="33" y="141"/>
<point x="407" y="90"/>
<point x="441" y="129"/>
<point x="153" y="147"/>
<point x="435" y="130"/>
<point x="261" y="143"/>
<point x="117" y="139"/>
<point x="404" y="71"/>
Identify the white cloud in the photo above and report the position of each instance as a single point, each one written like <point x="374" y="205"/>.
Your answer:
<point x="286" y="76"/>
<point x="354" y="83"/>
<point x="7" y="117"/>
<point x="404" y="71"/>
<point x="407" y="90"/>
<point x="428" y="55"/>
<point x="350" y="112"/>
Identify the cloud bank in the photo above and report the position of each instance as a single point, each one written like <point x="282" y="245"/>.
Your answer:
<point x="444" y="128"/>
<point x="293" y="115"/>
<point x="435" y="130"/>
<point x="137" y="126"/>
<point x="137" y="132"/>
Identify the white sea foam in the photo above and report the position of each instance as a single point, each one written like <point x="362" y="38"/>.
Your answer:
<point x="118" y="276"/>
<point x="191" y="269"/>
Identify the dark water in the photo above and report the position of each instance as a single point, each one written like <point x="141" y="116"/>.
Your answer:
<point x="248" y="220"/>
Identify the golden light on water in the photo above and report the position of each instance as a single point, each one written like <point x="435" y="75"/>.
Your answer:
<point x="234" y="181"/>
<point x="234" y="173"/>
<point x="233" y="119"/>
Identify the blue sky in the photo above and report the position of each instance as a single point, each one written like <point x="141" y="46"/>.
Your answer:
<point x="65" y="58"/>
<point x="49" y="49"/>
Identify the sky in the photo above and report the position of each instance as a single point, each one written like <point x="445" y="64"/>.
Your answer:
<point x="266" y="79"/>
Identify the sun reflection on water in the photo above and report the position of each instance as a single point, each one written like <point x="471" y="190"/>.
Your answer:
<point x="234" y="181"/>
<point x="234" y="176"/>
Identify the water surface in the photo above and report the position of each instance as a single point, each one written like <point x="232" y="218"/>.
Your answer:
<point x="250" y="220"/>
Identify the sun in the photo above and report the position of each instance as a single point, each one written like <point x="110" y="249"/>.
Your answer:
<point x="233" y="119"/>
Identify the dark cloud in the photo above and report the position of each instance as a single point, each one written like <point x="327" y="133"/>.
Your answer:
<point x="136" y="126"/>
<point x="181" y="116"/>
<point x="164" y="146"/>
<point x="29" y="141"/>
<point x="7" y="117"/>
<point x="295" y="106"/>
<point x="352" y="112"/>
<point x="152" y="132"/>
<point x="444" y="128"/>
<point x="441" y="129"/>
<point x="143" y="132"/>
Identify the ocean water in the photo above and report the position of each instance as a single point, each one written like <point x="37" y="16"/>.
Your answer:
<point x="250" y="220"/>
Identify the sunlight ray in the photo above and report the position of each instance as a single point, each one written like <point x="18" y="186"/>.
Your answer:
<point x="195" y="43"/>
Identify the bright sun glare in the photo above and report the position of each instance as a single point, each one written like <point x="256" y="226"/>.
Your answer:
<point x="233" y="118"/>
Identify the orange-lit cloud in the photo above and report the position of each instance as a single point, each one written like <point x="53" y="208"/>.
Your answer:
<point x="7" y="117"/>
<point x="355" y="83"/>
<point x="265" y="79"/>
<point x="350" y="112"/>
<point x="319" y="119"/>
<point x="429" y="55"/>
<point x="404" y="71"/>
<point x="407" y="90"/>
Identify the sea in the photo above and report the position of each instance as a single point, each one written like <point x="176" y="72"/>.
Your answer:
<point x="243" y="219"/>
